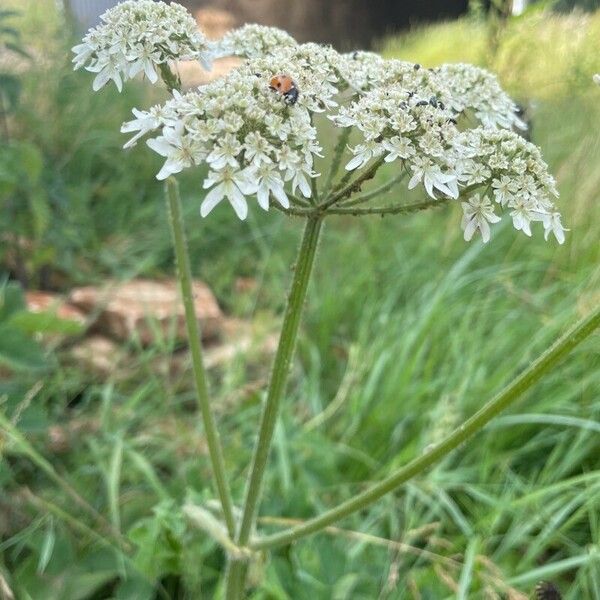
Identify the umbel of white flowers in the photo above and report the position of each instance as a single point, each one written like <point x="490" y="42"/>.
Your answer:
<point x="138" y="36"/>
<point x="257" y="144"/>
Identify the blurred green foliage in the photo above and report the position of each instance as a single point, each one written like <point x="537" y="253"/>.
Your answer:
<point x="407" y="330"/>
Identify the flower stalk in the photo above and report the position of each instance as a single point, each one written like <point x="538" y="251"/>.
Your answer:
<point x="279" y="375"/>
<point x="193" y="330"/>
<point x="512" y="392"/>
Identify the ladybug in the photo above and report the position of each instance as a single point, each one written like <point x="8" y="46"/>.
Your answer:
<point x="285" y="85"/>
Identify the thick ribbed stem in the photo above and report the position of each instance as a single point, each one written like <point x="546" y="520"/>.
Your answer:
<point x="281" y="366"/>
<point x="193" y="331"/>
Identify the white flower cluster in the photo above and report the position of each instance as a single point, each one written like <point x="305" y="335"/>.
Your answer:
<point x="253" y="141"/>
<point x="459" y="87"/>
<point x="396" y="123"/>
<point x="478" y="90"/>
<point x="513" y="177"/>
<point x="258" y="140"/>
<point x="362" y="70"/>
<point x="253" y="41"/>
<point x="138" y="36"/>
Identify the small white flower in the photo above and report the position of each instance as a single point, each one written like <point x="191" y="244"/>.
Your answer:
<point x="180" y="150"/>
<point x="432" y="177"/>
<point x="478" y="212"/>
<point x="398" y="147"/>
<point x="144" y="122"/>
<point x="144" y="59"/>
<point x="522" y="216"/>
<point x="231" y="184"/>
<point x="257" y="149"/>
<point x="300" y="180"/>
<point x="596" y="78"/>
<point x="268" y="181"/>
<point x="225" y="153"/>
<point x="504" y="189"/>
<point x="363" y="153"/>
<point x="110" y="67"/>
<point x="553" y="225"/>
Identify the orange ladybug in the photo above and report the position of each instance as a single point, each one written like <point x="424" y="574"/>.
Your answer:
<point x="285" y="85"/>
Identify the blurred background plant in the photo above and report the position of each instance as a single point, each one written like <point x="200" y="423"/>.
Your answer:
<point x="399" y="343"/>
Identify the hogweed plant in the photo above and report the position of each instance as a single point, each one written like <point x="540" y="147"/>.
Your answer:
<point x="448" y="130"/>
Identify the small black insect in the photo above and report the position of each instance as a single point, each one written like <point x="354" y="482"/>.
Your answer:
<point x="422" y="103"/>
<point x="355" y="54"/>
<point x="417" y="67"/>
<point x="453" y="121"/>
<point x="433" y="101"/>
<point x="545" y="590"/>
<point x="441" y="105"/>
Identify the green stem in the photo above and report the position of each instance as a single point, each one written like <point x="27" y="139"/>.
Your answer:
<point x="353" y="186"/>
<point x="281" y="367"/>
<point x="470" y="427"/>
<point x="394" y="209"/>
<point x="170" y="79"/>
<point x="337" y="158"/>
<point x="382" y="189"/>
<point x="193" y="330"/>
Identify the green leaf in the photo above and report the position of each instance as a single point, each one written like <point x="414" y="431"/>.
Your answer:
<point x="44" y="322"/>
<point x="47" y="548"/>
<point x="19" y="352"/>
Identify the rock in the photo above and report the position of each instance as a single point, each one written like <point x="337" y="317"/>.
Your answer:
<point x="147" y="309"/>
<point x="97" y="354"/>
<point x="52" y="303"/>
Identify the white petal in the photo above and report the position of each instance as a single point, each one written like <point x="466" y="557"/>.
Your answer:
<point x="169" y="168"/>
<point x="135" y="68"/>
<point x="100" y="80"/>
<point x="212" y="199"/>
<point x="414" y="181"/>
<point x="262" y="195"/>
<point x="357" y="161"/>
<point x="429" y="186"/>
<point x="160" y="146"/>
<point x="281" y="196"/>
<point x="470" y="229"/>
<point x="118" y="81"/>
<point x="238" y="202"/>
<point x="150" y="72"/>
<point x="485" y="231"/>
